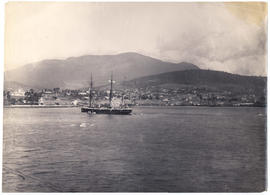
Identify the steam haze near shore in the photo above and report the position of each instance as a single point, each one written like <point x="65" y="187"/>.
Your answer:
<point x="229" y="37"/>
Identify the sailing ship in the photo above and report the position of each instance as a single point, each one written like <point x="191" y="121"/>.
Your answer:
<point x="122" y="110"/>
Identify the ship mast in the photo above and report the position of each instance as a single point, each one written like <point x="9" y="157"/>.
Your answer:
<point x="90" y="92"/>
<point x="111" y="81"/>
<point x="122" y="100"/>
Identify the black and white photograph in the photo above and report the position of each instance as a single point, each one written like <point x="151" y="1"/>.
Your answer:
<point x="134" y="97"/>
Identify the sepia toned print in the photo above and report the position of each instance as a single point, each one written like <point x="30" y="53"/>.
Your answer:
<point x="135" y="97"/>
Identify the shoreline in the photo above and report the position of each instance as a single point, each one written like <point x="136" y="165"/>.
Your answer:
<point x="38" y="106"/>
<point x="72" y="106"/>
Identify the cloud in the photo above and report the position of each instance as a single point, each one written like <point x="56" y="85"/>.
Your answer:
<point x="229" y="37"/>
<point x="220" y="41"/>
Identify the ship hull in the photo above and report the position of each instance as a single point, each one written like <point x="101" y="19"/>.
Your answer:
<point x="107" y="111"/>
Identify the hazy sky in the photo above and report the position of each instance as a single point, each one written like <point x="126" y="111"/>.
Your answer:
<point x="229" y="37"/>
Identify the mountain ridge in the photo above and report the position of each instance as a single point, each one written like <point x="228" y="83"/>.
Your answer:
<point x="217" y="80"/>
<point x="74" y="72"/>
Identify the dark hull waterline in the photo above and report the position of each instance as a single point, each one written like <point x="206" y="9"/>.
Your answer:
<point x="106" y="110"/>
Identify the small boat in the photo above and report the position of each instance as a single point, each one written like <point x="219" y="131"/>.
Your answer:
<point x="123" y="110"/>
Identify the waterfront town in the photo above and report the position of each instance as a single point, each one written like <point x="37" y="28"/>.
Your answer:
<point x="151" y="96"/>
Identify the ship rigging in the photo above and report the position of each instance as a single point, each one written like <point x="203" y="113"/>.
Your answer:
<point x="123" y="110"/>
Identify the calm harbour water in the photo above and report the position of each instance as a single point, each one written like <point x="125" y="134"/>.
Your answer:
<point x="169" y="149"/>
